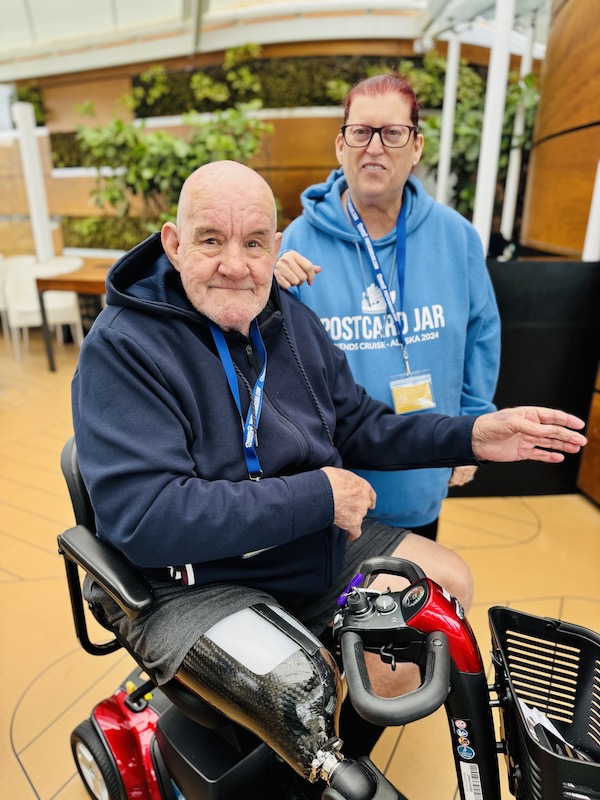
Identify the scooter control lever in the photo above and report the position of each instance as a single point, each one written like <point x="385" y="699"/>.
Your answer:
<point x="406" y="708"/>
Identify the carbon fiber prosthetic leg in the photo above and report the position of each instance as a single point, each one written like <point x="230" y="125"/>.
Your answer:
<point x="264" y="670"/>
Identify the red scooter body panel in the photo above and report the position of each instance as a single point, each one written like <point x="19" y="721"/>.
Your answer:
<point x="129" y="735"/>
<point x="441" y="612"/>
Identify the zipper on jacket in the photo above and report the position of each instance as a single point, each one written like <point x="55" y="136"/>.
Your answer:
<point x="250" y="354"/>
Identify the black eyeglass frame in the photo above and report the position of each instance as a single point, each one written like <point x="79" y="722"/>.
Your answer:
<point x="413" y="129"/>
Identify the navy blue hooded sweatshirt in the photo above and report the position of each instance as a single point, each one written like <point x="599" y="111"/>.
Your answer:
<point x="159" y="436"/>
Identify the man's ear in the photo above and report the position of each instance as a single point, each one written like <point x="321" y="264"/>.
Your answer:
<point x="169" y="237"/>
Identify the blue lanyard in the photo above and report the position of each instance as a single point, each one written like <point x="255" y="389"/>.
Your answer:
<point x="250" y="426"/>
<point x="377" y="271"/>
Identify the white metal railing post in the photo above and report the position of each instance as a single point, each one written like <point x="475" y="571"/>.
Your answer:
<point x="591" y="246"/>
<point x="447" y="129"/>
<point x="31" y="164"/>
<point x="513" y="173"/>
<point x="493" y="115"/>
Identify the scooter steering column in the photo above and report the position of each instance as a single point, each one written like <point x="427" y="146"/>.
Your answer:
<point x="424" y="625"/>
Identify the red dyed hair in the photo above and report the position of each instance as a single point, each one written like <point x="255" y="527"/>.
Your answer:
<point x="384" y="83"/>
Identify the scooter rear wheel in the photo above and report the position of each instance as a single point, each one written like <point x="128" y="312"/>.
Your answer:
<point x="95" y="764"/>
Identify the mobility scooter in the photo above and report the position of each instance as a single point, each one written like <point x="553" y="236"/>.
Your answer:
<point x="262" y="722"/>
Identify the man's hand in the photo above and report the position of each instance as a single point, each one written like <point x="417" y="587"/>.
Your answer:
<point x="527" y="433"/>
<point x="352" y="498"/>
<point x="292" y="269"/>
<point x="462" y="475"/>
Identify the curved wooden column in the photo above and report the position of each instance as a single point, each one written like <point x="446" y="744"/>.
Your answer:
<point x="566" y="146"/>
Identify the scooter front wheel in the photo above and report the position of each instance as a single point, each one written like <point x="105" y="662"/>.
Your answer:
<point x="95" y="764"/>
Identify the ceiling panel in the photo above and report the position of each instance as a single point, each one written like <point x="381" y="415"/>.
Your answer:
<point x="130" y="12"/>
<point x="40" y="23"/>
<point x="64" y="19"/>
<point x="15" y="30"/>
<point x="44" y="37"/>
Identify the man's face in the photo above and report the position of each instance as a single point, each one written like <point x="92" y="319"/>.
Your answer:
<point x="377" y="174"/>
<point x="225" y="252"/>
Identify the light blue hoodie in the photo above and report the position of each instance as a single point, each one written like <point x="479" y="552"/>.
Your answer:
<point x="452" y="327"/>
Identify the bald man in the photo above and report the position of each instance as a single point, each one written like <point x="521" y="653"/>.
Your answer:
<point x="217" y="427"/>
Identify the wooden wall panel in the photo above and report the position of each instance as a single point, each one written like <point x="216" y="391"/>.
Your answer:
<point x="571" y="71"/>
<point x="13" y="195"/>
<point x="566" y="142"/>
<point x="559" y="192"/>
<point x="299" y="152"/>
<point x="13" y="198"/>
<point x="16" y="237"/>
<point x="60" y="101"/>
<point x="300" y="141"/>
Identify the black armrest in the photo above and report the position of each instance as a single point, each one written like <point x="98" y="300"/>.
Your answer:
<point x="128" y="587"/>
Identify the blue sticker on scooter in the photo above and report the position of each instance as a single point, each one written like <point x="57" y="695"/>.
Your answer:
<point x="466" y="752"/>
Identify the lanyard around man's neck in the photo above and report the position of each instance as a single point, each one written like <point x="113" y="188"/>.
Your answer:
<point x="377" y="271"/>
<point x="250" y="425"/>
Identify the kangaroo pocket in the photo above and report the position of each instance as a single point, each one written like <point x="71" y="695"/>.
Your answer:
<point x="305" y="565"/>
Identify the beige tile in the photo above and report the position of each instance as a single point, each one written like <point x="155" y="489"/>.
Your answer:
<point x="423" y="765"/>
<point x="42" y="505"/>
<point x="16" y="470"/>
<point x="27" y="563"/>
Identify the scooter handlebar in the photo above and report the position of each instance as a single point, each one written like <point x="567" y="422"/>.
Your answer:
<point x="392" y="566"/>
<point x="408" y="707"/>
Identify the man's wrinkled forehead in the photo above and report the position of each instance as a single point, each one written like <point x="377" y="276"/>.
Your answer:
<point x="215" y="212"/>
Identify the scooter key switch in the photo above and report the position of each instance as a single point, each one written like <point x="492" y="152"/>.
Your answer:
<point x="358" y="603"/>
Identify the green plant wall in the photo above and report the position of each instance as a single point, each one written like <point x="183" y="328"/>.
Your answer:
<point x="154" y="163"/>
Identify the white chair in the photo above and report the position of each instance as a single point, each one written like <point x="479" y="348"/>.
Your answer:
<point x="7" y="265"/>
<point x="23" y="308"/>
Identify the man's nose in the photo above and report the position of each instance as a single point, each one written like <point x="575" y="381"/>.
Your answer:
<point x="233" y="262"/>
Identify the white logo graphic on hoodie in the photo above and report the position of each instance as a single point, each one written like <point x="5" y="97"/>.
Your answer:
<point x="373" y="301"/>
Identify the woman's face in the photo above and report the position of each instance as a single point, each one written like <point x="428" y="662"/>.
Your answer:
<point x="376" y="174"/>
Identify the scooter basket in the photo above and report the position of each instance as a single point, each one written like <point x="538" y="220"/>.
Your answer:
<point x="554" y="667"/>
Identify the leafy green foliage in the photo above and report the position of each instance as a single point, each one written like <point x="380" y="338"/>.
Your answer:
<point x="468" y="124"/>
<point x="152" y="85"/>
<point x="116" y="233"/>
<point x="279" y="82"/>
<point x="153" y="164"/>
<point x="426" y="77"/>
<point x="31" y="93"/>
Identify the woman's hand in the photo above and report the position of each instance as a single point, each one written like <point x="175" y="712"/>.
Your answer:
<point x="292" y="269"/>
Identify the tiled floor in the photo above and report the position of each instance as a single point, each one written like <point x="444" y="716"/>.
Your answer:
<point x="538" y="554"/>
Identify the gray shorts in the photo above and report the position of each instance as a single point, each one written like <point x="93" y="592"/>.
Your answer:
<point x="179" y="616"/>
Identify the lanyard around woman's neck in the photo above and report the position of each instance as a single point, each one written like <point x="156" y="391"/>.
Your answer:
<point x="377" y="271"/>
<point x="250" y="425"/>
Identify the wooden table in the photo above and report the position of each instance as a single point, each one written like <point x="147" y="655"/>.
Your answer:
<point x="89" y="279"/>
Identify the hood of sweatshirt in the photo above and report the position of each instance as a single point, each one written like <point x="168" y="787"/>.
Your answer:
<point x="323" y="207"/>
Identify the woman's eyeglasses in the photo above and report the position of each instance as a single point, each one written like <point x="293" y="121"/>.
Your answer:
<point x="390" y="135"/>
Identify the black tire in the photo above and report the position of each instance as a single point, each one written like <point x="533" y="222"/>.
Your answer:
<point x="95" y="763"/>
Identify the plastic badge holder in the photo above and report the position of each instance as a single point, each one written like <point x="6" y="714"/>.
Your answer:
<point x="554" y="667"/>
